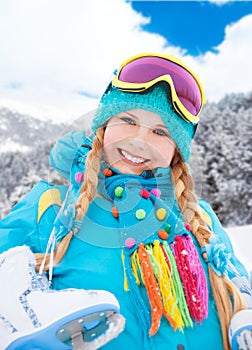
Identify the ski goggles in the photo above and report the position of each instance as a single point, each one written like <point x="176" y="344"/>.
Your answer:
<point x="142" y="72"/>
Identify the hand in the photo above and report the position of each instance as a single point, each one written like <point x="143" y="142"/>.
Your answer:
<point x="240" y="330"/>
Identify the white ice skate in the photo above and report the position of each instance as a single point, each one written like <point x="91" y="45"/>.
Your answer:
<point x="240" y="330"/>
<point x="35" y="317"/>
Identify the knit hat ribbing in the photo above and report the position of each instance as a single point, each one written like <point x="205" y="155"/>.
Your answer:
<point x="114" y="101"/>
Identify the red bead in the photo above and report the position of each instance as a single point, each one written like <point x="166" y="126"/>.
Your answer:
<point x="187" y="226"/>
<point x="162" y="234"/>
<point x="115" y="212"/>
<point x="107" y="172"/>
<point x="144" y="193"/>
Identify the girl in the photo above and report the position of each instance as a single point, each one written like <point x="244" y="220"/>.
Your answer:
<point x="130" y="222"/>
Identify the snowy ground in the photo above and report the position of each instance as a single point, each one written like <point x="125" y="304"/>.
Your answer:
<point x="241" y="238"/>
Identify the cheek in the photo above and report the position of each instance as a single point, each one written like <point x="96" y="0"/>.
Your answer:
<point x="112" y="137"/>
<point x="113" y="134"/>
<point x="165" y="152"/>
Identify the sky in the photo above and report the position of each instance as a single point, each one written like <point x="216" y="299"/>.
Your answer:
<point x="57" y="56"/>
<point x="196" y="26"/>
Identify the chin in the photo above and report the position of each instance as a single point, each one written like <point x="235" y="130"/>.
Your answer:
<point x="129" y="170"/>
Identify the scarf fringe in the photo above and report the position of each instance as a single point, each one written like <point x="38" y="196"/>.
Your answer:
<point x="192" y="276"/>
<point x="174" y="280"/>
<point x="140" y="305"/>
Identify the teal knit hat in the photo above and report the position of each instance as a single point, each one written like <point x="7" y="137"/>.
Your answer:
<point x="114" y="101"/>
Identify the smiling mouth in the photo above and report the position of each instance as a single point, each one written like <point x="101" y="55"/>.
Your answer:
<point x="132" y="159"/>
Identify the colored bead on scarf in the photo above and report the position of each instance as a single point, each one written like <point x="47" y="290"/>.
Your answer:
<point x="174" y="281"/>
<point x="164" y="263"/>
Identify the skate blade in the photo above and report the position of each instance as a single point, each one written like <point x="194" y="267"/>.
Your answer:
<point x="92" y="331"/>
<point x="244" y="340"/>
<point x="240" y="330"/>
<point x="75" y="332"/>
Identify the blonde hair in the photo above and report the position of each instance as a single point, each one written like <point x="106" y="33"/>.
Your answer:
<point x="227" y="296"/>
<point x="87" y="193"/>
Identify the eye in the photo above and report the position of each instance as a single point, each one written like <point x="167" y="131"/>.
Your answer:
<point x="128" y="120"/>
<point x="161" y="132"/>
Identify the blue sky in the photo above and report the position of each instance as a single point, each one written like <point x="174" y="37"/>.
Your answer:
<point x="197" y="26"/>
<point x="57" y="57"/>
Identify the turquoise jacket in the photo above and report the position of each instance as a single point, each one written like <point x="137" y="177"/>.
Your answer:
<point x="94" y="257"/>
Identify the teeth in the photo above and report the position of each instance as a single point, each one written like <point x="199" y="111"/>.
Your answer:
<point x="132" y="159"/>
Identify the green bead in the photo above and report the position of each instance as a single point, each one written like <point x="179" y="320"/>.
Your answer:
<point x="167" y="227"/>
<point x="119" y="191"/>
<point x="140" y="214"/>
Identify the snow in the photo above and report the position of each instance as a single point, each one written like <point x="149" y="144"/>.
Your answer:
<point x="221" y="160"/>
<point x="47" y="105"/>
<point x="241" y="238"/>
<point x="12" y="146"/>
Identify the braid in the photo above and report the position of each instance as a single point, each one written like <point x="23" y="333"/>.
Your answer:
<point x="223" y="289"/>
<point x="88" y="188"/>
<point x="87" y="193"/>
<point x="187" y="200"/>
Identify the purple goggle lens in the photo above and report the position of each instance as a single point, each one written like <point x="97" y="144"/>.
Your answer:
<point x="145" y="69"/>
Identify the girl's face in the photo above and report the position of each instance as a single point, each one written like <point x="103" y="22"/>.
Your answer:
<point x="137" y="140"/>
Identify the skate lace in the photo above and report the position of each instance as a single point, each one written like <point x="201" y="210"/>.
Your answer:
<point x="51" y="244"/>
<point x="62" y="225"/>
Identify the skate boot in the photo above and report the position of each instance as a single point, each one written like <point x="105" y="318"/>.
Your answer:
<point x="32" y="316"/>
<point x="240" y="330"/>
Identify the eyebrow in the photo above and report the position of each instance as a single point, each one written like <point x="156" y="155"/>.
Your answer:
<point x="131" y="114"/>
<point x="161" y="126"/>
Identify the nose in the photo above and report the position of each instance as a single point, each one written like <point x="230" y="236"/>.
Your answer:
<point x="140" y="138"/>
<point x="143" y="133"/>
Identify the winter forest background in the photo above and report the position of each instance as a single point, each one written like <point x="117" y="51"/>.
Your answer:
<point x="221" y="157"/>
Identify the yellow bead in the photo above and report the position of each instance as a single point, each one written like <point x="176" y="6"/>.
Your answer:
<point x="161" y="214"/>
